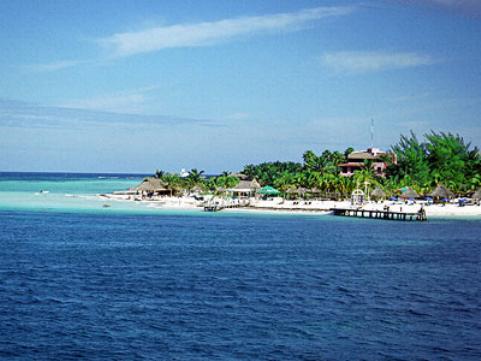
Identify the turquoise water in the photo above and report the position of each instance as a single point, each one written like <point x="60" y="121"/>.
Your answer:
<point x="66" y="192"/>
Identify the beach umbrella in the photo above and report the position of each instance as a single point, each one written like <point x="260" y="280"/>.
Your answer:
<point x="441" y="192"/>
<point x="268" y="191"/>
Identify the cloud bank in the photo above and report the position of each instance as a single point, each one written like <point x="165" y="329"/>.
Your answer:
<point x="366" y="61"/>
<point x="209" y="33"/>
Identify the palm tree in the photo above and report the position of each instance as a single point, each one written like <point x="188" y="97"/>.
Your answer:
<point x="194" y="178"/>
<point x="172" y="182"/>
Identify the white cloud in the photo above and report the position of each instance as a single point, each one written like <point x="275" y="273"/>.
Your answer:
<point x="27" y="115"/>
<point x="208" y="33"/>
<point x="121" y="103"/>
<point x="129" y="102"/>
<point x="365" y="61"/>
<point x="54" y="66"/>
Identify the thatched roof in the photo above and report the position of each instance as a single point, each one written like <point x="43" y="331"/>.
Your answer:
<point x="378" y="193"/>
<point x="409" y="193"/>
<point x="477" y="194"/>
<point x="246" y="185"/>
<point x="441" y="192"/>
<point x="151" y="184"/>
<point x="255" y="184"/>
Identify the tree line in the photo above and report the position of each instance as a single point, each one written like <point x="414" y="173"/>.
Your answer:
<point x="439" y="158"/>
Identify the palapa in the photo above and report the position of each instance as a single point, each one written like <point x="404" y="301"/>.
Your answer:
<point x="441" y="192"/>
<point x="151" y="184"/>
<point x="409" y="193"/>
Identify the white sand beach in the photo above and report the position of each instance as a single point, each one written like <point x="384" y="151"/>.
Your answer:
<point x="277" y="205"/>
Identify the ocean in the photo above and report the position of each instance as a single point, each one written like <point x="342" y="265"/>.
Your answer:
<point x="134" y="283"/>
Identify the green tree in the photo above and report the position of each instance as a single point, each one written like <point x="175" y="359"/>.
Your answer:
<point x="450" y="160"/>
<point x="172" y="182"/>
<point x="159" y="174"/>
<point x="195" y="178"/>
<point x="412" y="161"/>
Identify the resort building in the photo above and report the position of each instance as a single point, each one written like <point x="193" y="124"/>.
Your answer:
<point x="151" y="186"/>
<point x="356" y="161"/>
<point x="245" y="189"/>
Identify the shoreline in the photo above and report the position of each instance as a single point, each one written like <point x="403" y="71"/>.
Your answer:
<point x="277" y="206"/>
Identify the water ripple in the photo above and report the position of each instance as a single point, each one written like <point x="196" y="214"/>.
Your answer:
<point x="230" y="288"/>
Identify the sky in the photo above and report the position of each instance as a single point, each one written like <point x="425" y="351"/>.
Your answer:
<point x="134" y="86"/>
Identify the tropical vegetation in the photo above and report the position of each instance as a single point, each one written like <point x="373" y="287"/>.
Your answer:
<point x="440" y="158"/>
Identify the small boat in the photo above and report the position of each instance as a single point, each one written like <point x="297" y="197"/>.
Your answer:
<point x="106" y="205"/>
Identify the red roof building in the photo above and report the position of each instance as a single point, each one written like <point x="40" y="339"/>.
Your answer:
<point x="355" y="161"/>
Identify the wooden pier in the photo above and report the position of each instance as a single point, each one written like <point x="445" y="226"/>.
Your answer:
<point x="380" y="214"/>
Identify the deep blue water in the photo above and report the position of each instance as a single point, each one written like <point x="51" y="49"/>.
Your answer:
<point x="79" y="283"/>
<point x="228" y="287"/>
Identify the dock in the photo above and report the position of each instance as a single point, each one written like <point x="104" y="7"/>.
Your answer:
<point x="380" y="214"/>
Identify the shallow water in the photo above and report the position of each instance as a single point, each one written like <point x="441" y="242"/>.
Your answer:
<point x="220" y="286"/>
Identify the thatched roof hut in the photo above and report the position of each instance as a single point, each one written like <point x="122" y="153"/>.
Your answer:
<point x="247" y="185"/>
<point x="151" y="185"/>
<point x="378" y="193"/>
<point x="245" y="188"/>
<point x="441" y="192"/>
<point x="409" y="193"/>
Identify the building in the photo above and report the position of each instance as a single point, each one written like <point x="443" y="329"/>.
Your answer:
<point x="356" y="161"/>
<point x="244" y="189"/>
<point x="152" y="186"/>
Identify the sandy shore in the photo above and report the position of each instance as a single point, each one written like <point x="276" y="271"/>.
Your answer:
<point x="279" y="205"/>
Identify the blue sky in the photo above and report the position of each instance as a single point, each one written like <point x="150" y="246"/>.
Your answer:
<point x="131" y="86"/>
